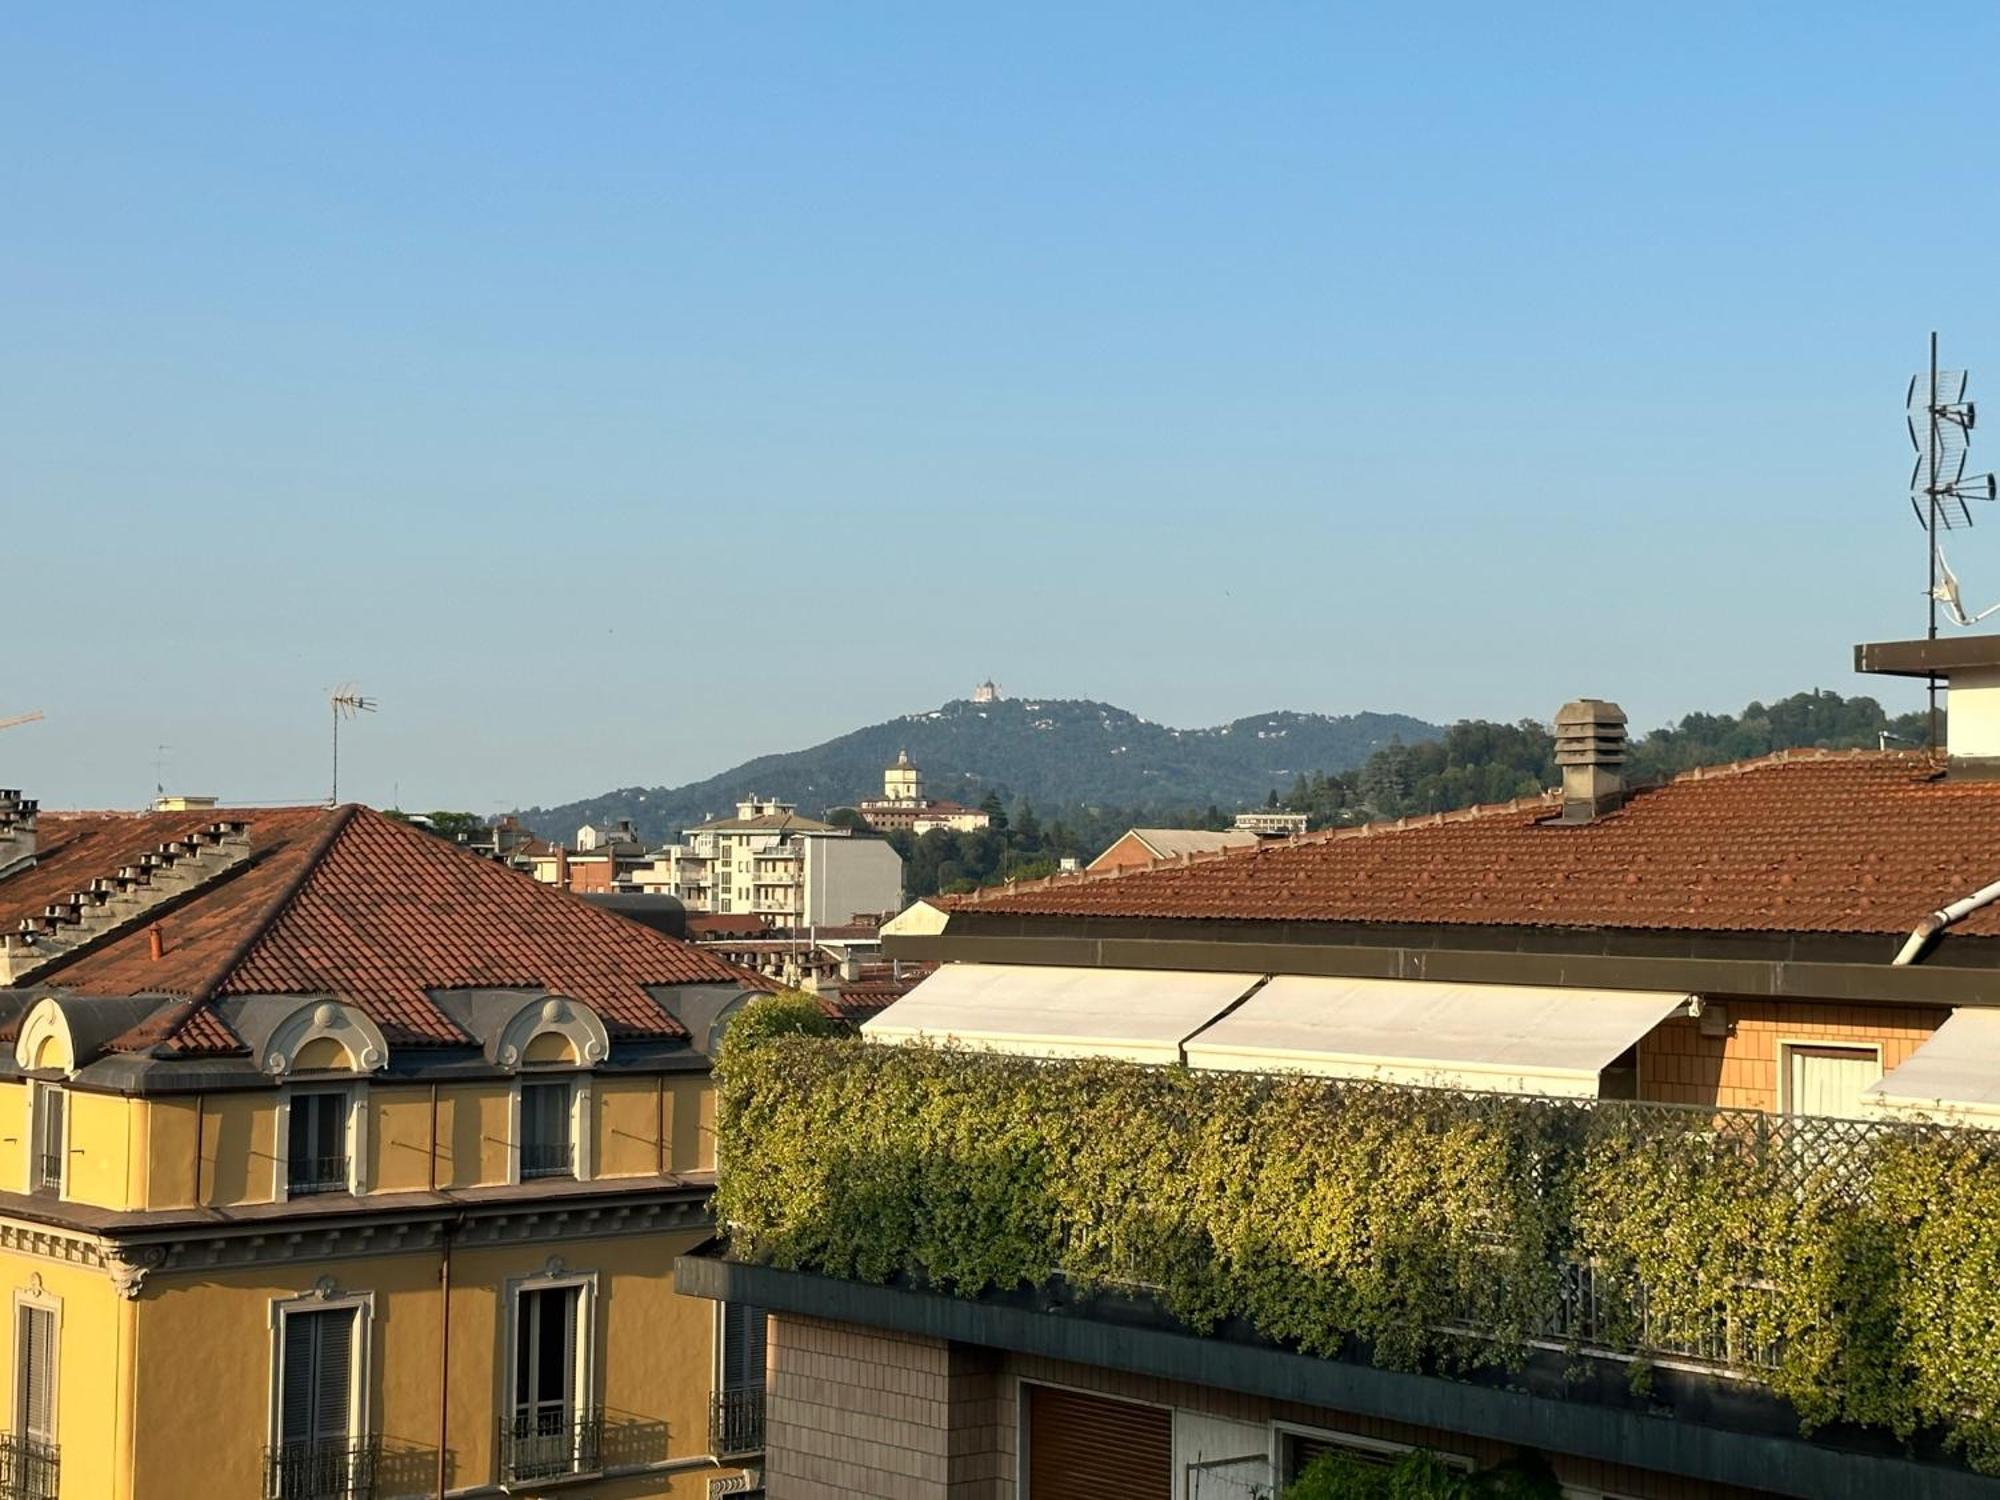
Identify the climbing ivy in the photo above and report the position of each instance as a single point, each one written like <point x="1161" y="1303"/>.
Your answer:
<point x="1856" y="1271"/>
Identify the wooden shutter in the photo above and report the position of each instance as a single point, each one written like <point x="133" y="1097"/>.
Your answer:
<point x="742" y="1346"/>
<point x="317" y="1378"/>
<point x="35" y="1374"/>
<point x="1089" y="1448"/>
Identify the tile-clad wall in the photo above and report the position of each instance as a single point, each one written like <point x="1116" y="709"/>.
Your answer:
<point x="855" y="1412"/>
<point x="1678" y="1065"/>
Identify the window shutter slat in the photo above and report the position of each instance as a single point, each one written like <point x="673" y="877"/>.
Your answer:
<point x="37" y="1370"/>
<point x="296" y="1380"/>
<point x="332" y="1374"/>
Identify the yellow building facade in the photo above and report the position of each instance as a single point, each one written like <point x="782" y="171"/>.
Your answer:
<point x="291" y="1246"/>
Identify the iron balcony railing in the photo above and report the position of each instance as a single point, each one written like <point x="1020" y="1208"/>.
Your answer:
<point x="329" y="1469"/>
<point x="550" y="1444"/>
<point x="545" y="1159"/>
<point x="736" y="1422"/>
<point x="49" y="1170"/>
<point x="29" y="1468"/>
<point x="316" y="1174"/>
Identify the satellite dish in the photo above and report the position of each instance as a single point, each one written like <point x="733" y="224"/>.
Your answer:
<point x="1945" y="592"/>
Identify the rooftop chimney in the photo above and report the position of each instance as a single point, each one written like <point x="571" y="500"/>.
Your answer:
<point x="1969" y="666"/>
<point x="17" y="832"/>
<point x="1590" y="748"/>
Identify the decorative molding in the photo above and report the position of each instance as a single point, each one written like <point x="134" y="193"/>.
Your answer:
<point x="129" y="1265"/>
<point x="357" y="1036"/>
<point x="571" y="1019"/>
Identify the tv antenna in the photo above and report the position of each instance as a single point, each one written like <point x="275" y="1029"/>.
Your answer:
<point x="346" y="702"/>
<point x="1941" y="420"/>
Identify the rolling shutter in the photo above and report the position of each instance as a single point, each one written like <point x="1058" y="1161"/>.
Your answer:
<point x="1088" y="1448"/>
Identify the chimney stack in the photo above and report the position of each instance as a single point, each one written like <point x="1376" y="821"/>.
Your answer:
<point x="1590" y="749"/>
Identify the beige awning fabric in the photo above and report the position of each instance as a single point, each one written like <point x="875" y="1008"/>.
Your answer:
<point x="1955" y="1072"/>
<point x="1494" y="1037"/>
<point x="1046" y="1011"/>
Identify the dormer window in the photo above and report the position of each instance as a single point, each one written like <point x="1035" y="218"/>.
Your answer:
<point x="50" y="1138"/>
<point x="317" y="1159"/>
<point x="547" y="1148"/>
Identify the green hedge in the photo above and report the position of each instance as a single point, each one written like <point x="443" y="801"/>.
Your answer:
<point x="1856" y="1270"/>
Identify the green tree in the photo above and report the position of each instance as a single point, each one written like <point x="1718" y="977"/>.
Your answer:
<point x="996" y="812"/>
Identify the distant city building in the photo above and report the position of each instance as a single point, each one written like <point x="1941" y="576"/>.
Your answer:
<point x="987" y="692"/>
<point x="1271" y="823"/>
<point x="597" y="863"/>
<point x="770" y="863"/>
<point x="1140" y="848"/>
<point x="904" y="808"/>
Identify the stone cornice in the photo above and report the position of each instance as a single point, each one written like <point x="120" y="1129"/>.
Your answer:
<point x="131" y="1258"/>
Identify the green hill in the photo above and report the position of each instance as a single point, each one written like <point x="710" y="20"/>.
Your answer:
<point x="1053" y="752"/>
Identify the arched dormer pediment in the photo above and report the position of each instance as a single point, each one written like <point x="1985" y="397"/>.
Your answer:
<point x="45" y="1042"/>
<point x="324" y="1035"/>
<point x="553" y="1032"/>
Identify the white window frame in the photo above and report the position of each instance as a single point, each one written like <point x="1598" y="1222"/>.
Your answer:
<point x="356" y="1090"/>
<point x="359" y="1366"/>
<point x="1787" y="1044"/>
<point x="553" y="1277"/>
<point x="38" y="1088"/>
<point x="33" y="1295"/>
<point x="581" y="1158"/>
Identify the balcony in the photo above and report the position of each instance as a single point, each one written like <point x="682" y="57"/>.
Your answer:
<point x="1814" y="1264"/>
<point x="551" y="1444"/>
<point x="736" y="1422"/>
<point x="306" y="1175"/>
<point x="545" y="1159"/>
<point x="335" y="1469"/>
<point x="29" y="1469"/>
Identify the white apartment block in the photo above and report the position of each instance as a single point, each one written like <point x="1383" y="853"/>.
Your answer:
<point x="769" y="862"/>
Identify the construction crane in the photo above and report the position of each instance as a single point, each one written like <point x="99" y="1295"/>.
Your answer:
<point x="19" y="719"/>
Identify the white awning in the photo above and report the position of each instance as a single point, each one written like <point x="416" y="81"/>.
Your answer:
<point x="1045" y="1011"/>
<point x="1497" y="1037"/>
<point x="1956" y="1071"/>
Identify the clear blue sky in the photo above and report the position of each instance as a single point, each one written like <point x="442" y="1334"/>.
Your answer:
<point x="616" y="392"/>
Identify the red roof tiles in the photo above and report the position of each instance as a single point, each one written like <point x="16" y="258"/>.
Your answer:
<point x="349" y="903"/>
<point x="1806" y="841"/>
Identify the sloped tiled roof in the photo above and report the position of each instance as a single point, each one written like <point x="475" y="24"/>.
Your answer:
<point x="1799" y="842"/>
<point x="349" y="903"/>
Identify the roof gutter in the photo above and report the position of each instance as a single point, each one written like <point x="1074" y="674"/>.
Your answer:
<point x="1922" y="935"/>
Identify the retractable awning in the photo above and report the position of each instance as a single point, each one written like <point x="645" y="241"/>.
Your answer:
<point x="1045" y="1011"/>
<point x="1957" y="1071"/>
<point x="1496" y="1037"/>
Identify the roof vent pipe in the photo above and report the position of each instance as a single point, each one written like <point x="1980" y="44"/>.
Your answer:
<point x="1590" y="749"/>
<point x="1927" y="930"/>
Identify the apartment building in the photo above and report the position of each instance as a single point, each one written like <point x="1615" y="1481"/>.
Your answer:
<point x="338" y="1162"/>
<point x="769" y="863"/>
<point x="1138" y="848"/>
<point x="1718" y="1043"/>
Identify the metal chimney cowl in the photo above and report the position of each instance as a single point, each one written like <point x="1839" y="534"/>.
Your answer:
<point x="1590" y="749"/>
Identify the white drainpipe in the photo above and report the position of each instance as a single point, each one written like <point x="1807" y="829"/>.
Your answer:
<point x="1922" y="934"/>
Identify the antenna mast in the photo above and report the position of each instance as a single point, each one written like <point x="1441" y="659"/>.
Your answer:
<point x="345" y="702"/>
<point x="1940" y="488"/>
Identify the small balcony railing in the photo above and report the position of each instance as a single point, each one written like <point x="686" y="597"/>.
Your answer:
<point x="29" y="1469"/>
<point x="550" y="1444"/>
<point x="332" y="1469"/>
<point x="316" y="1174"/>
<point x="546" y="1159"/>
<point x="736" y="1422"/>
<point x="48" y="1170"/>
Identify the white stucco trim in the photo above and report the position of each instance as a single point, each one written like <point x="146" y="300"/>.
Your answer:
<point x="357" y="1036"/>
<point x="567" y="1018"/>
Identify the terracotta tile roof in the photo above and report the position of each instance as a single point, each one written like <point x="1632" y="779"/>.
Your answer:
<point x="1803" y="841"/>
<point x="350" y="903"/>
